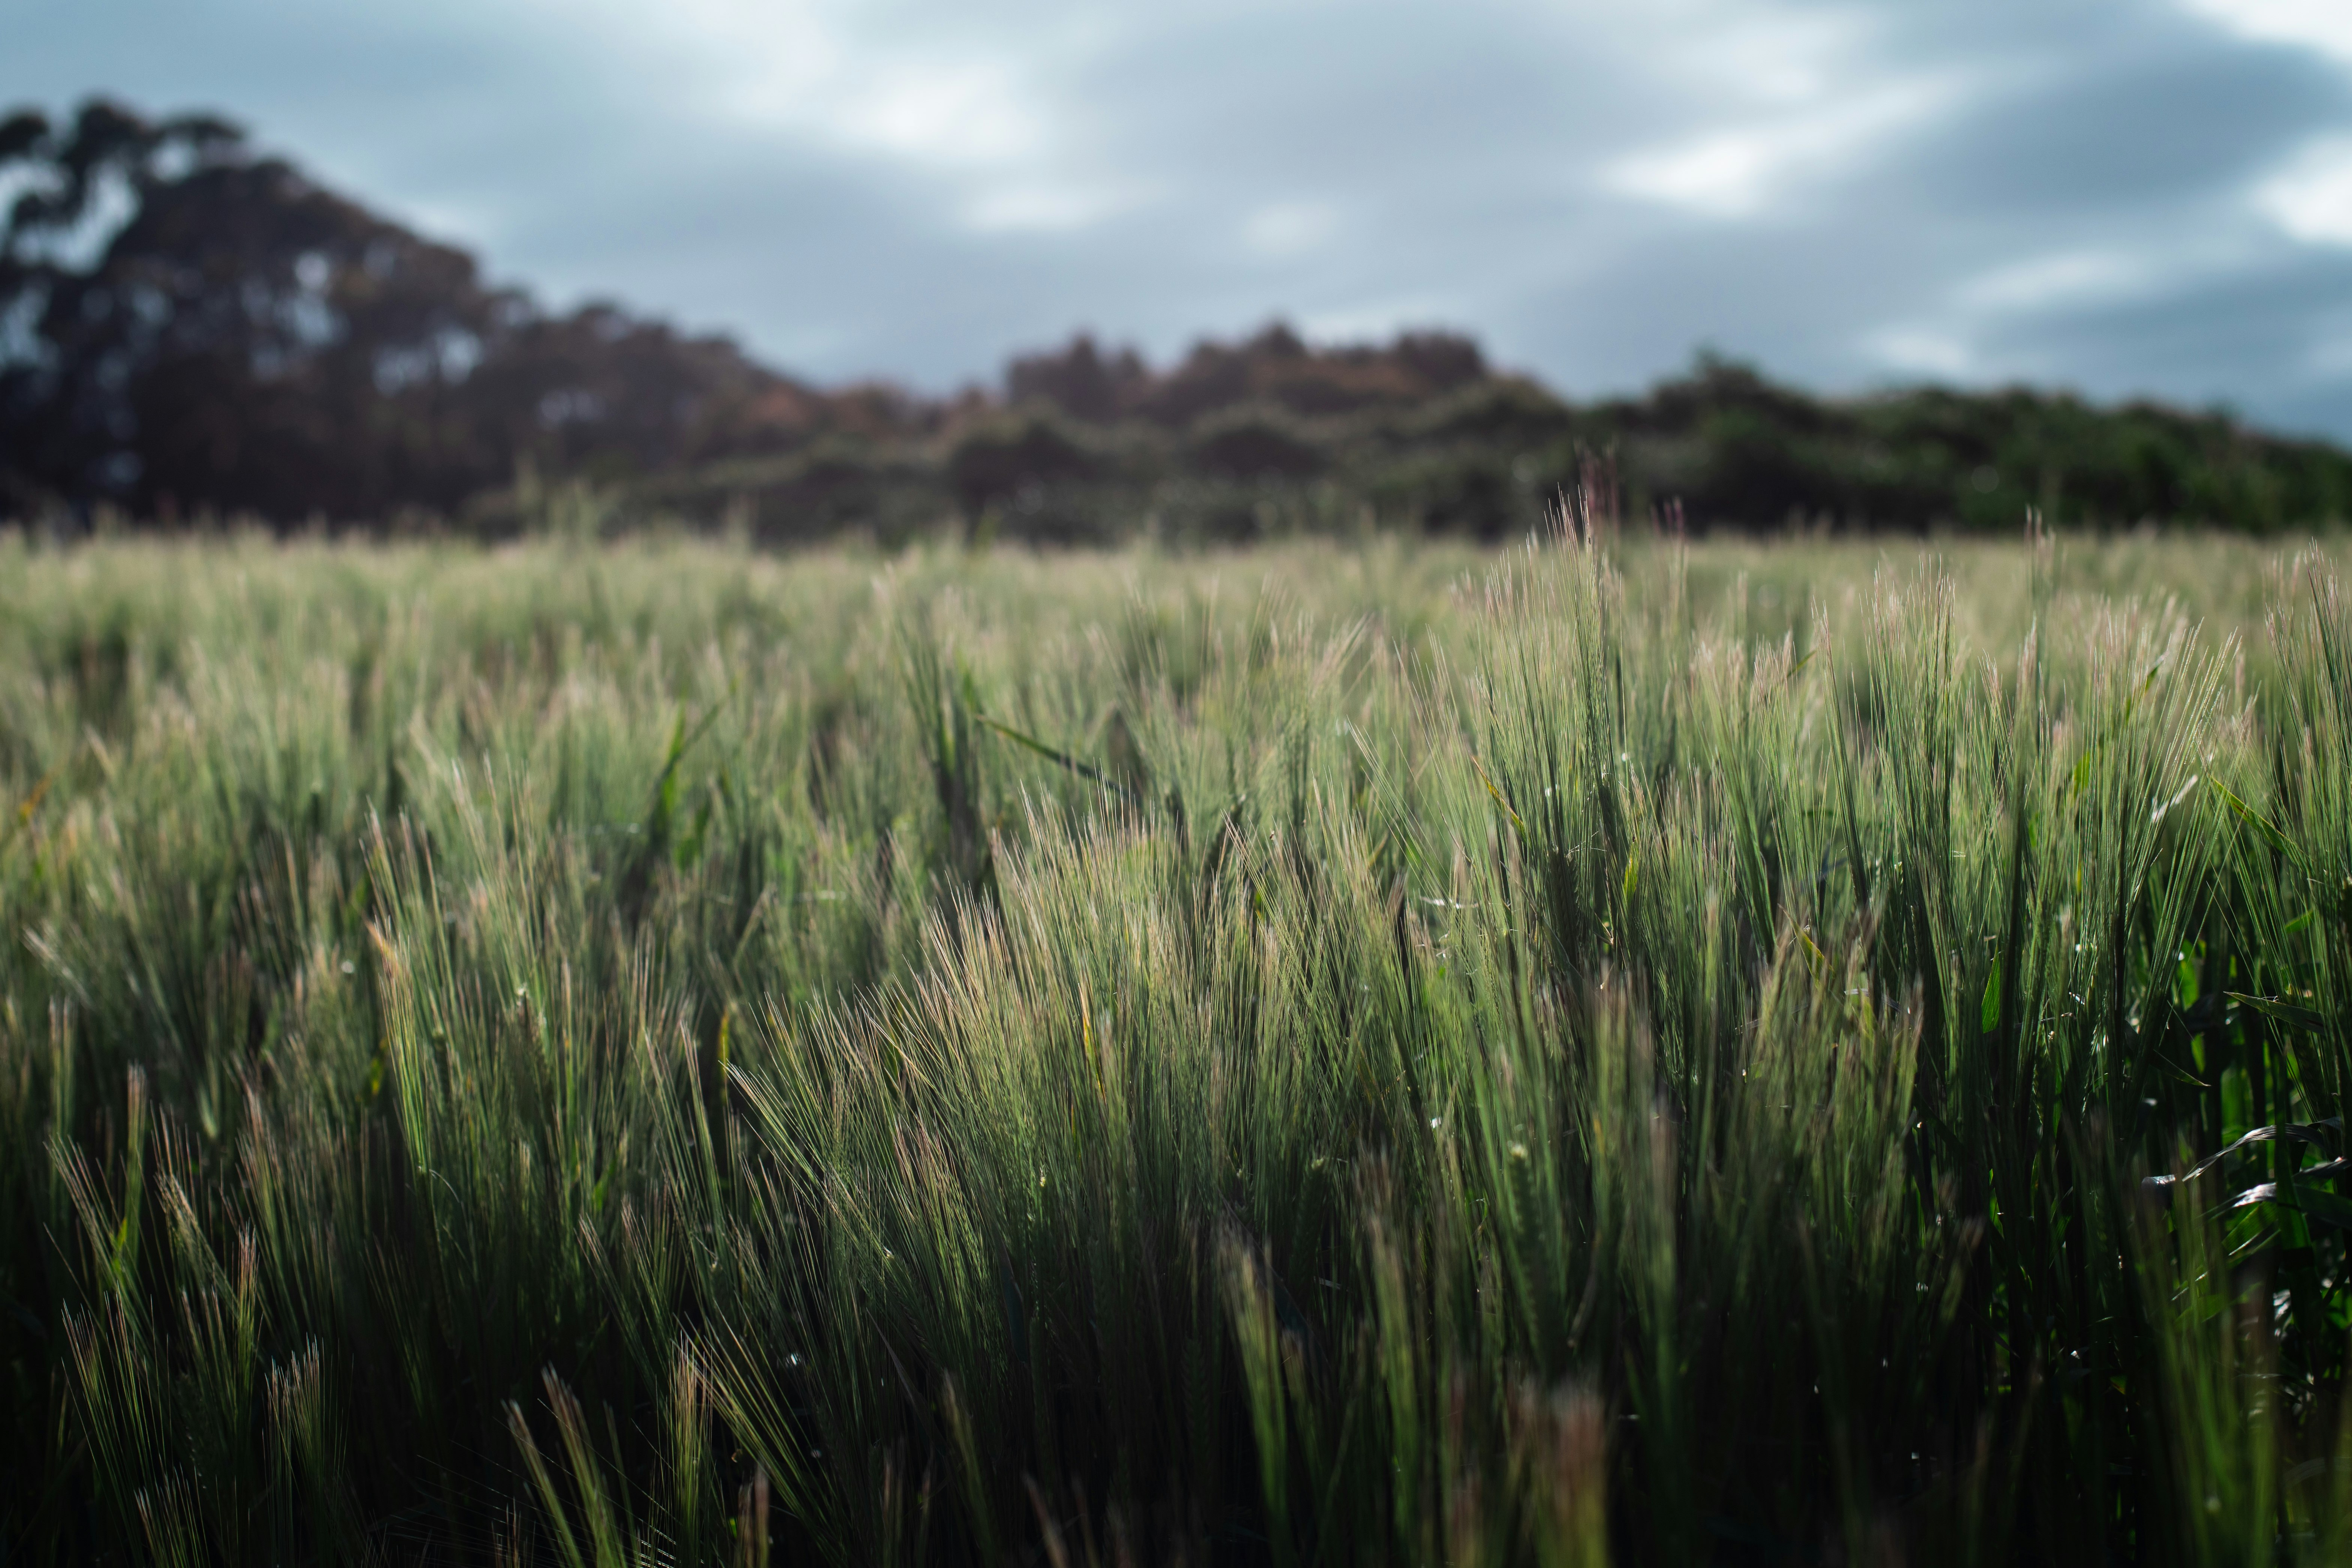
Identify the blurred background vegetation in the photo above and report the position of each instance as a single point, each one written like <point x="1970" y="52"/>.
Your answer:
<point x="194" y="329"/>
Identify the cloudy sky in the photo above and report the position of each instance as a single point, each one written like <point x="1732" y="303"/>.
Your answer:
<point x="2125" y="197"/>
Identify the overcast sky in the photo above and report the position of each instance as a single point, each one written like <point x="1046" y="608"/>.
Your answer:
<point x="2124" y="196"/>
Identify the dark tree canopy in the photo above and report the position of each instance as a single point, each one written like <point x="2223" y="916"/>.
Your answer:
<point x="187" y="322"/>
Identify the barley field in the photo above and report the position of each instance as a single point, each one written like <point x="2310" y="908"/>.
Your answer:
<point x="1610" y="1051"/>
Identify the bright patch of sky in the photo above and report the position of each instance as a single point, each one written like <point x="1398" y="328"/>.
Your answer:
<point x="2322" y="25"/>
<point x="2311" y="197"/>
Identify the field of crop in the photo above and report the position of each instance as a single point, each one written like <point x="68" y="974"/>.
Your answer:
<point x="660" y="1054"/>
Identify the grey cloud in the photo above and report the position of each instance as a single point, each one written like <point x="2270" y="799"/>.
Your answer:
<point x="1787" y="299"/>
<point x="1385" y="96"/>
<point x="2245" y="339"/>
<point x="2128" y="128"/>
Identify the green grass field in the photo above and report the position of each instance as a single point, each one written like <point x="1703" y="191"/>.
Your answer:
<point x="659" y="1054"/>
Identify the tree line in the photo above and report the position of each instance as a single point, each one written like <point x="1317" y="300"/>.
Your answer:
<point x="187" y="322"/>
<point x="189" y="325"/>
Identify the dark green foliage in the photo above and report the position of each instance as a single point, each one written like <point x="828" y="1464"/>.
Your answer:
<point x="1249" y="443"/>
<point x="990" y="466"/>
<point x="1422" y="435"/>
<point x="1737" y="451"/>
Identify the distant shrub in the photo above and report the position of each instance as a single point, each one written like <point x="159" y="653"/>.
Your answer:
<point x="1000" y="461"/>
<point x="1253" y="443"/>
